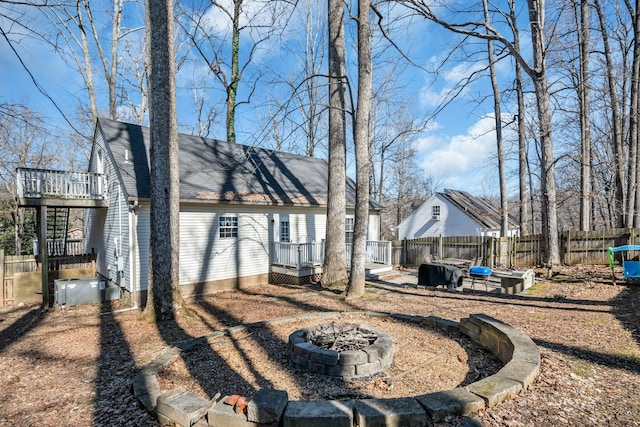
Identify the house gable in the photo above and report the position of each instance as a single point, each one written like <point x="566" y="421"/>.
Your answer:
<point x="459" y="214"/>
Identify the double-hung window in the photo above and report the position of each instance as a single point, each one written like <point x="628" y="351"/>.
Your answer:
<point x="228" y="226"/>
<point x="348" y="230"/>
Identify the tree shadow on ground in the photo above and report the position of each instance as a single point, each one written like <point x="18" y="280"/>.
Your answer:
<point x="12" y="332"/>
<point x="115" y="403"/>
<point x="260" y="333"/>
<point x="626" y="308"/>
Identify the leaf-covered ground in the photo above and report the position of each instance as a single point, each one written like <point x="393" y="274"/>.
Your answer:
<point x="75" y="366"/>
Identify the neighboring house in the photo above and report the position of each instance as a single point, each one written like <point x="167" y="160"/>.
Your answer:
<point x="236" y="204"/>
<point x="454" y="213"/>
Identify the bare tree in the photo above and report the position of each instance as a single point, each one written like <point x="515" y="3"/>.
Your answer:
<point x="220" y="49"/>
<point x="334" y="269"/>
<point x="618" y="211"/>
<point x="24" y="142"/>
<point x="504" y="209"/>
<point x="164" y="301"/>
<point x="355" y="287"/>
<point x="537" y="71"/>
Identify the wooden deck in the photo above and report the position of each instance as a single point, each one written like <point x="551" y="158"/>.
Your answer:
<point x="43" y="187"/>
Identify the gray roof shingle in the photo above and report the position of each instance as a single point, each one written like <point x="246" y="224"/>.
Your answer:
<point x="482" y="210"/>
<point x="217" y="171"/>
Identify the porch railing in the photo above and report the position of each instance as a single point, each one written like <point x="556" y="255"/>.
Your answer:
<point x="38" y="183"/>
<point x="300" y="255"/>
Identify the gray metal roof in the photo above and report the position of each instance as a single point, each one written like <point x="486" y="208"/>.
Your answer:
<point x="217" y="171"/>
<point x="481" y="210"/>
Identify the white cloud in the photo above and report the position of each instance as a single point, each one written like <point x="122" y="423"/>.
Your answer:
<point x="450" y="159"/>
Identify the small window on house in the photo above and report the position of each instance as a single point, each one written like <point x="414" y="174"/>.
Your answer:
<point x="348" y="230"/>
<point x="435" y="212"/>
<point x="285" y="236"/>
<point x="228" y="226"/>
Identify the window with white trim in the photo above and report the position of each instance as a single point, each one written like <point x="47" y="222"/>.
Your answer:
<point x="228" y="226"/>
<point x="348" y="229"/>
<point x="435" y="212"/>
<point x="285" y="235"/>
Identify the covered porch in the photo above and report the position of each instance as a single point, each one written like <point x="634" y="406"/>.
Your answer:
<point x="302" y="262"/>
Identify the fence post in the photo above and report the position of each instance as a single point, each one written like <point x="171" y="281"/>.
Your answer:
<point x="490" y="252"/>
<point x="440" y="249"/>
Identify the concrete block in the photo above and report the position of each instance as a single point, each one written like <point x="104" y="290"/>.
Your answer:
<point x="524" y="373"/>
<point x="304" y="348"/>
<point x="298" y="361"/>
<point x="450" y="402"/>
<point x="352" y="357"/>
<point x="321" y="413"/>
<point x="326" y="357"/>
<point x="223" y="415"/>
<point x="267" y="406"/>
<point x="146" y="389"/>
<point x="316" y="368"/>
<point x="405" y="412"/>
<point x="340" y="370"/>
<point x="366" y="369"/>
<point x="181" y="406"/>
<point x="495" y="389"/>
<point x="297" y="337"/>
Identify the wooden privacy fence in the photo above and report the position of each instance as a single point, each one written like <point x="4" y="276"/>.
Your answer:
<point x="576" y="247"/>
<point x="20" y="276"/>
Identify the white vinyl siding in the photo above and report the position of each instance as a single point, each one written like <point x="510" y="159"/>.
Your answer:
<point x="205" y="257"/>
<point x="107" y="230"/>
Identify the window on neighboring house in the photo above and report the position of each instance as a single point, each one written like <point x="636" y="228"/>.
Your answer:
<point x="285" y="236"/>
<point x="435" y="212"/>
<point x="228" y="226"/>
<point x="348" y="230"/>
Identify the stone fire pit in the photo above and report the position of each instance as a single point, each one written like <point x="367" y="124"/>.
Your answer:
<point x="345" y="350"/>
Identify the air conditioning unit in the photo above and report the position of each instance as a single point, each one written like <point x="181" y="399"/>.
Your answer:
<point x="435" y="217"/>
<point x="86" y="290"/>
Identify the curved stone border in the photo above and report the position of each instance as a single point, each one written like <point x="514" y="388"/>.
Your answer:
<point x="518" y="353"/>
<point x="367" y="361"/>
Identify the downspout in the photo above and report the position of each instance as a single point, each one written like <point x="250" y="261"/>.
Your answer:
<point x="133" y="250"/>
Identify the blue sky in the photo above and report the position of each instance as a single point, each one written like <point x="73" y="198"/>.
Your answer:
<point x="457" y="149"/>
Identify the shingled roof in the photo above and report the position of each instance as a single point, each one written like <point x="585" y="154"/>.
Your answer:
<point x="217" y="171"/>
<point x="481" y="210"/>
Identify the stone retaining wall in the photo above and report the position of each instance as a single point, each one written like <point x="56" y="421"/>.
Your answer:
<point x="518" y="353"/>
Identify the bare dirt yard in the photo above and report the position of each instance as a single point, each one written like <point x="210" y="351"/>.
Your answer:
<point x="75" y="366"/>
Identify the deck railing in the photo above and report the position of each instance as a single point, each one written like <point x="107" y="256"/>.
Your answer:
<point x="61" y="247"/>
<point x="300" y="255"/>
<point x="38" y="183"/>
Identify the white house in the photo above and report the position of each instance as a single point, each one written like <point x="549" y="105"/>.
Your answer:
<point x="454" y="213"/>
<point x="237" y="203"/>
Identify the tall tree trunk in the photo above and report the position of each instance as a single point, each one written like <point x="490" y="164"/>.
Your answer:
<point x="232" y="88"/>
<point x="619" y="209"/>
<point x="164" y="301"/>
<point x="634" y="115"/>
<point x="355" y="287"/>
<point x="334" y="270"/>
<point x="504" y="208"/>
<point x="547" y="161"/>
<point x="522" y="140"/>
<point x="585" y="119"/>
